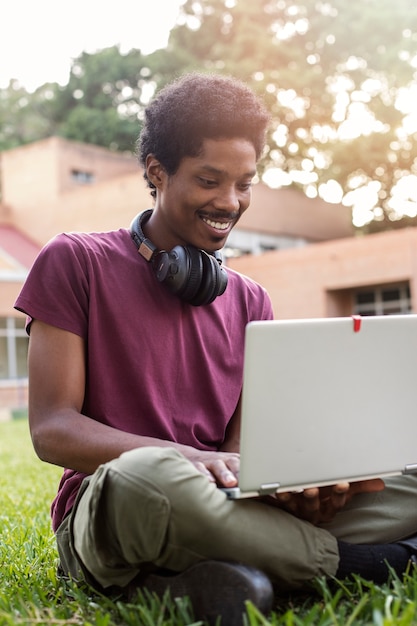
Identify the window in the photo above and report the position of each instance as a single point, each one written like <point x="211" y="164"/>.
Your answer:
<point x="384" y="300"/>
<point x="82" y="177"/>
<point x="13" y="348"/>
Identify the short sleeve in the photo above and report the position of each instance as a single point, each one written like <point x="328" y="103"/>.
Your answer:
<point x="56" y="289"/>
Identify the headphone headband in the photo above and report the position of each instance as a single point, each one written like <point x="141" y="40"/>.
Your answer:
<point x="145" y="246"/>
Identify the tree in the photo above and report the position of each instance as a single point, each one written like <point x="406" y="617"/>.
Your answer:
<point x="102" y="103"/>
<point x="104" y="98"/>
<point x="338" y="77"/>
<point x="24" y="117"/>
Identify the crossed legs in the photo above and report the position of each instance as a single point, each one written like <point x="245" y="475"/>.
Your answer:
<point x="151" y="506"/>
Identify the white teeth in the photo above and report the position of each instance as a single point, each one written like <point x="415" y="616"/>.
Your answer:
<point x="218" y="225"/>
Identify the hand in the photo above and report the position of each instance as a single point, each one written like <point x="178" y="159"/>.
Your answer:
<point x="221" y="468"/>
<point x="320" y="504"/>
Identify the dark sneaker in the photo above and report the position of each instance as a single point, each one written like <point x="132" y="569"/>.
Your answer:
<point x="215" y="588"/>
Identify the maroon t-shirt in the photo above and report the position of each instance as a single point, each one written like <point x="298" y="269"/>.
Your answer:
<point x="156" y="366"/>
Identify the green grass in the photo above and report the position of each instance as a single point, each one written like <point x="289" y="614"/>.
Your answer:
<point x="31" y="594"/>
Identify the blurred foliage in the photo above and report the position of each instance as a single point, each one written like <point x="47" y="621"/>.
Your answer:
<point x="339" y="78"/>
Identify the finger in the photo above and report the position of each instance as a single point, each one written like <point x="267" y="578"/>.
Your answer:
<point x="341" y="488"/>
<point x="310" y="505"/>
<point x="283" y="496"/>
<point x="203" y="470"/>
<point x="227" y="478"/>
<point x="287" y="501"/>
<point x="311" y="492"/>
<point x="233" y="463"/>
<point x="223" y="474"/>
<point x="338" y="500"/>
<point x="310" y="502"/>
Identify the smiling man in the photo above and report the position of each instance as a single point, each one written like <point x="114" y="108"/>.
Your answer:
<point x="135" y="375"/>
<point x="201" y="203"/>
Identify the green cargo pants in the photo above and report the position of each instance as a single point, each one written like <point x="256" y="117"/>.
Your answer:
<point x="152" y="507"/>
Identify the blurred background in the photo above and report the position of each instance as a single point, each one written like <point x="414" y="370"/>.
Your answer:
<point x="332" y="228"/>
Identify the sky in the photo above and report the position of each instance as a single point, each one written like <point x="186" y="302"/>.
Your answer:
<point x="39" y="38"/>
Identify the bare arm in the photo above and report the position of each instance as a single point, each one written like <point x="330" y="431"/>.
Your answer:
<point x="62" y="435"/>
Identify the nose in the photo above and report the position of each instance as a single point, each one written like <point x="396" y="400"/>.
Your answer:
<point x="228" y="199"/>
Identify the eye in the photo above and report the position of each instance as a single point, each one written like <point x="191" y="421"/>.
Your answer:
<point x="245" y="186"/>
<point x="207" y="182"/>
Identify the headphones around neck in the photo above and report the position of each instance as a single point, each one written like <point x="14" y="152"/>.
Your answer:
<point x="192" y="274"/>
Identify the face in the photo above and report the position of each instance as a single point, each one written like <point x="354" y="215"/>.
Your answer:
<point x="203" y="200"/>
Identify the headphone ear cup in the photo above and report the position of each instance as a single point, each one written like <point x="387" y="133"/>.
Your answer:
<point x="209" y="281"/>
<point x="180" y="270"/>
<point x="213" y="280"/>
<point x="195" y="273"/>
<point x="221" y="275"/>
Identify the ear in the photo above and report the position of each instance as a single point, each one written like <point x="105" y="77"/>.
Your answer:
<point x="155" y="171"/>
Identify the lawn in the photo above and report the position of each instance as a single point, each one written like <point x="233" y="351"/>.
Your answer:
<point x="30" y="592"/>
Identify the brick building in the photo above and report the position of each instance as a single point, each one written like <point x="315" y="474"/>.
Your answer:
<point x="372" y="275"/>
<point x="303" y="251"/>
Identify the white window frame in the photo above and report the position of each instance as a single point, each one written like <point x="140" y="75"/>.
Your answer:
<point x="12" y="332"/>
<point x="380" y="306"/>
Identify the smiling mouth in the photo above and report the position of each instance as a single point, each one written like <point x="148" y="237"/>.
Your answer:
<point x="218" y="225"/>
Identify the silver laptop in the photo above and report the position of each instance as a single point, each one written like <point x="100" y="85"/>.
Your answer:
<point x="326" y="401"/>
